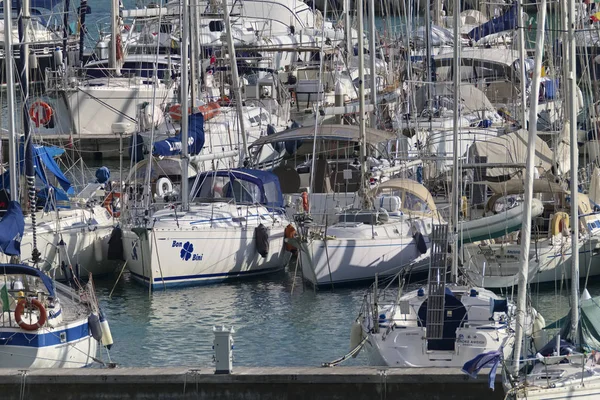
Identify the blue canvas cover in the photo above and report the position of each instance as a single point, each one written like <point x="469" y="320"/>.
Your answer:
<point x="21" y="269"/>
<point x="505" y="22"/>
<point x="12" y="226"/>
<point x="172" y="146"/>
<point x="43" y="158"/>
<point x="267" y="181"/>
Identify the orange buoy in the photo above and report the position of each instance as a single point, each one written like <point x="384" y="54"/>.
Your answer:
<point x="40" y="113"/>
<point x="19" y="314"/>
<point x="289" y="233"/>
<point x="305" y="201"/>
<point x="209" y="110"/>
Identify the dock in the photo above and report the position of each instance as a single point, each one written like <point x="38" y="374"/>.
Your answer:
<point x="247" y="383"/>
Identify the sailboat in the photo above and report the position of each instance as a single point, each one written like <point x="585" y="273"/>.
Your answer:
<point x="560" y="370"/>
<point x="44" y="324"/>
<point x="445" y="324"/>
<point x="229" y="225"/>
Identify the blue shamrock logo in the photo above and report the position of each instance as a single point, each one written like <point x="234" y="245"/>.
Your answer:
<point x="187" y="251"/>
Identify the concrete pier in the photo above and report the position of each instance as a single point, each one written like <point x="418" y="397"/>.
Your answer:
<point x="367" y="383"/>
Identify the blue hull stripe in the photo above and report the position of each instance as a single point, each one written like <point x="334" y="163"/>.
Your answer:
<point x="223" y="275"/>
<point x="11" y="338"/>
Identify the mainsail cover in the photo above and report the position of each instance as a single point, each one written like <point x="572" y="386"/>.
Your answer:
<point x="12" y="226"/>
<point x="504" y="22"/>
<point x="172" y="146"/>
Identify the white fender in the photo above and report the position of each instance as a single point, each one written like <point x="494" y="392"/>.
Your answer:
<point x="107" y="339"/>
<point x="539" y="336"/>
<point x="356" y="335"/>
<point x="164" y="186"/>
<point x="98" y="249"/>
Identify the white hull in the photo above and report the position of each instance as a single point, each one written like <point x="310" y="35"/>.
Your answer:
<point x="355" y="259"/>
<point x="218" y="255"/>
<point x="496" y="266"/>
<point x="402" y="337"/>
<point x="85" y="234"/>
<point x="76" y="352"/>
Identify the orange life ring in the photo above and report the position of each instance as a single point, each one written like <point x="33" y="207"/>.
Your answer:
<point x="305" y="201"/>
<point x="288" y="233"/>
<point x="110" y="206"/>
<point x="19" y="315"/>
<point x="209" y="111"/>
<point x="40" y="113"/>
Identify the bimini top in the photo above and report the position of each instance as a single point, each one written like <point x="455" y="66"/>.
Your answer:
<point x="22" y="269"/>
<point x="408" y="186"/>
<point x="348" y="133"/>
<point x="242" y="184"/>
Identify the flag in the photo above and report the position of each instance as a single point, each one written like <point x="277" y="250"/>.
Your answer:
<point x="595" y="17"/>
<point x="5" y="300"/>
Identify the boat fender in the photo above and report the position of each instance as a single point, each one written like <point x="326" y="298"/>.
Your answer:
<point x="356" y="336"/>
<point x="305" y="205"/>
<point x="97" y="249"/>
<point x="559" y="223"/>
<point x="112" y="204"/>
<point x="420" y="240"/>
<point x="115" y="244"/>
<point x="107" y="339"/>
<point x="261" y="237"/>
<point x="539" y="335"/>
<point x="94" y="325"/>
<point x="164" y="186"/>
<point x="19" y="314"/>
<point x="289" y="233"/>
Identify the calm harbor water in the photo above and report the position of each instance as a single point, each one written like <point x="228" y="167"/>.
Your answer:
<point x="278" y="322"/>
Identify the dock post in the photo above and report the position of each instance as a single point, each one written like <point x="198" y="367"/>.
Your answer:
<point x="223" y="346"/>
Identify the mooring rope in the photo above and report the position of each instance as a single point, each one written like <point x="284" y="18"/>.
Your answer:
<point x="344" y="358"/>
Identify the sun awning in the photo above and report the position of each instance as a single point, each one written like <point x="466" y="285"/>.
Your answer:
<point x="348" y="133"/>
<point x="510" y="149"/>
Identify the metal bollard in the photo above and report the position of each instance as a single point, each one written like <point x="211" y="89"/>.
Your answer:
<point x="223" y="346"/>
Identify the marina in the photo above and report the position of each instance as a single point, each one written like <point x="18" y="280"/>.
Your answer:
<point x="298" y="199"/>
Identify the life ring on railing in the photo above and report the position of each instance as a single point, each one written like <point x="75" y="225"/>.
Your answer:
<point x="305" y="206"/>
<point x="109" y="204"/>
<point x="163" y="186"/>
<point x="560" y="222"/>
<point x="288" y="233"/>
<point x="19" y="315"/>
<point x="209" y="110"/>
<point x="40" y="113"/>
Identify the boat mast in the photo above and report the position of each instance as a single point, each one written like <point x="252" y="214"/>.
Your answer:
<point x="529" y="171"/>
<point x="235" y="83"/>
<point x="574" y="168"/>
<point x="455" y="174"/>
<point x="361" y="106"/>
<point x="10" y="97"/>
<point x="114" y="32"/>
<point x="185" y="195"/>
<point x="24" y="21"/>
<point x="373" y="76"/>
<point x="521" y="24"/>
<point x="66" y="30"/>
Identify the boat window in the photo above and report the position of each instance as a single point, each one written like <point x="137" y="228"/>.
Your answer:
<point x="216" y="187"/>
<point x="414" y="203"/>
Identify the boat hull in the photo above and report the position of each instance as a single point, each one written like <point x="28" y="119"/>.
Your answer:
<point x="168" y="257"/>
<point x="346" y="261"/>
<point x="69" y="346"/>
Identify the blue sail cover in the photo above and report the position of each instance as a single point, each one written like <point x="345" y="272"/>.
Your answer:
<point x="505" y="22"/>
<point x="12" y="226"/>
<point x="43" y="158"/>
<point x="172" y="146"/>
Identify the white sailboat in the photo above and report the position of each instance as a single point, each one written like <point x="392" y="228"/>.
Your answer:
<point x="563" y="373"/>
